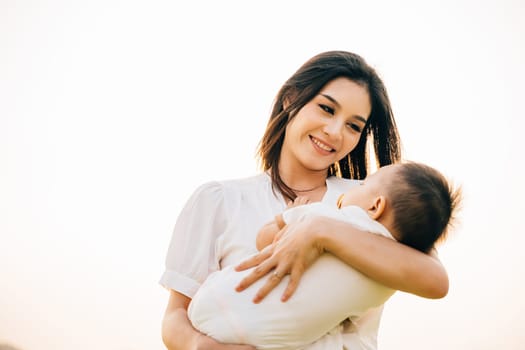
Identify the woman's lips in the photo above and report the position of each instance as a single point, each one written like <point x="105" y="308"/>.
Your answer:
<point x="322" y="146"/>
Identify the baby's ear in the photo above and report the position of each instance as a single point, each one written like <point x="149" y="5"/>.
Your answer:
<point x="340" y="201"/>
<point x="377" y="207"/>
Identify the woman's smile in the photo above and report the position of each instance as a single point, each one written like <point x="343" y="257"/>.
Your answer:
<point x="321" y="147"/>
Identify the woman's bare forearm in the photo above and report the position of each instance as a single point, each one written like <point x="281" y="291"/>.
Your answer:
<point x="179" y="334"/>
<point x="395" y="265"/>
<point x="177" y="331"/>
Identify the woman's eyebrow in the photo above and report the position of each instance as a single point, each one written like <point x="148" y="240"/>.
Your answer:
<point x="361" y="119"/>
<point x="334" y="101"/>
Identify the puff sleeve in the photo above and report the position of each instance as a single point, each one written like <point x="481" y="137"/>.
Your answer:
<point x="192" y="253"/>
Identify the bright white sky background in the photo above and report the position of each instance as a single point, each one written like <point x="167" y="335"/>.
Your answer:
<point x="113" y="112"/>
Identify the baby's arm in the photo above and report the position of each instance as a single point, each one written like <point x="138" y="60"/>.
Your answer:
<point x="268" y="233"/>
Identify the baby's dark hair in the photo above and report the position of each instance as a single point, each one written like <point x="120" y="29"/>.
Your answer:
<point x="424" y="205"/>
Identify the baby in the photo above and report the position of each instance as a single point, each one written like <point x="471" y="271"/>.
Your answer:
<point x="410" y="202"/>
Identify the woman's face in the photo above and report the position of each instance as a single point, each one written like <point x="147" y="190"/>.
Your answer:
<point x="328" y="127"/>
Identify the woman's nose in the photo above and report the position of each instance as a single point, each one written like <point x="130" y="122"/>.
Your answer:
<point x="334" y="128"/>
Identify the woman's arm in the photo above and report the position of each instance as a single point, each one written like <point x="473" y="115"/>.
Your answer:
<point x="178" y="333"/>
<point x="388" y="262"/>
<point x="391" y="263"/>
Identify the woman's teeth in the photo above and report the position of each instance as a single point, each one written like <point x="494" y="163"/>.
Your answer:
<point x="322" y="145"/>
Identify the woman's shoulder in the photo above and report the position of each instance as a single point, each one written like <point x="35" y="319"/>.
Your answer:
<point x="230" y="188"/>
<point x="233" y="192"/>
<point x="223" y="193"/>
<point x="236" y="183"/>
<point x="249" y="182"/>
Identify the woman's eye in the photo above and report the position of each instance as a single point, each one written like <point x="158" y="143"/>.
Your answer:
<point x="354" y="127"/>
<point x="327" y="109"/>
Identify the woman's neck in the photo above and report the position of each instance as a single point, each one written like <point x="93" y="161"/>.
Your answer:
<point x="303" y="182"/>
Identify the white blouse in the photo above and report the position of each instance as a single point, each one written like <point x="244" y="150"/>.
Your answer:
<point x="217" y="227"/>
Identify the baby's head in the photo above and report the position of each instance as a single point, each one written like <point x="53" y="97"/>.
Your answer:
<point x="413" y="201"/>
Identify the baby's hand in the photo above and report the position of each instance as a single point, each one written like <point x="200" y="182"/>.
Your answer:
<point x="299" y="200"/>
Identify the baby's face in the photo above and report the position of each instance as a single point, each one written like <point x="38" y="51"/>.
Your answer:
<point x="364" y="194"/>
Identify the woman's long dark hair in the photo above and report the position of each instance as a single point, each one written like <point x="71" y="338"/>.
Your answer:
<point x="302" y="87"/>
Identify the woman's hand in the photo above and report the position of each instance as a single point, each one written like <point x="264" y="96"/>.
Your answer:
<point x="178" y="333"/>
<point x="294" y="251"/>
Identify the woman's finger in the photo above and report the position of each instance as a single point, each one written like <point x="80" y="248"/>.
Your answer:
<point x="256" y="259"/>
<point x="272" y="281"/>
<point x="295" y="277"/>
<point x="260" y="271"/>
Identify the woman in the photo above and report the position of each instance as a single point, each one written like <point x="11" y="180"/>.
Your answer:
<point x="318" y="130"/>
